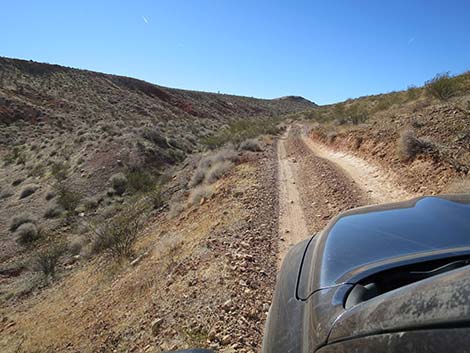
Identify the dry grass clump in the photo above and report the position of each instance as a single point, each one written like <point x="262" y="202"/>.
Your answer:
<point x="200" y="194"/>
<point x="53" y="211"/>
<point x="50" y="195"/>
<point x="76" y="245"/>
<point x="217" y="171"/>
<point x="176" y="208"/>
<point x="90" y="203"/>
<point x="331" y="136"/>
<point x="409" y="146"/>
<point x="252" y="145"/>
<point x="119" y="183"/>
<point x="28" y="190"/>
<point x="213" y="166"/>
<point x="20" y="219"/>
<point x="27" y="233"/>
<point x="6" y="193"/>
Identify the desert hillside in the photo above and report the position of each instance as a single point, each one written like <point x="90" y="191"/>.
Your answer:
<point x="67" y="131"/>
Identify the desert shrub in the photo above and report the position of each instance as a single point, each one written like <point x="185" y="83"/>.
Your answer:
<point x="409" y="146"/>
<point x="17" y="181"/>
<point x="442" y="86"/>
<point x="154" y="136"/>
<point x="119" y="183"/>
<point x="200" y="193"/>
<point x="6" y="193"/>
<point x="217" y="171"/>
<point x="67" y="199"/>
<point x="76" y="245"/>
<point x="13" y="155"/>
<point x="331" y="136"/>
<point x="59" y="170"/>
<point x="47" y="260"/>
<point x="176" y="207"/>
<point x="241" y="130"/>
<point x="28" y="190"/>
<point x="140" y="181"/>
<point x="252" y="145"/>
<point x="90" y="203"/>
<point x="155" y="197"/>
<point x="53" y="210"/>
<point x="118" y="235"/>
<point x="416" y="123"/>
<point x="50" y="195"/>
<point x="412" y="93"/>
<point x="38" y="170"/>
<point x="20" y="219"/>
<point x="27" y="233"/>
<point x="207" y="162"/>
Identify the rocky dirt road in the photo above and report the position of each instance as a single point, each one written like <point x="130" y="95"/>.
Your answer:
<point x="316" y="183"/>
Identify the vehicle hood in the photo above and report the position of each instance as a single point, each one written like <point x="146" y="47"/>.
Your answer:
<point x="359" y="241"/>
<point x="442" y="301"/>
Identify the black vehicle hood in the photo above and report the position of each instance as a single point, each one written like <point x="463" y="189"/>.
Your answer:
<point x="361" y="240"/>
<point x="438" y="302"/>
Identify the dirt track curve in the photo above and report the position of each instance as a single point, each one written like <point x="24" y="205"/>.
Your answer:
<point x="316" y="183"/>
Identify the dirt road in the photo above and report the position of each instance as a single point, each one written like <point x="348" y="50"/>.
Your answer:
<point x="316" y="183"/>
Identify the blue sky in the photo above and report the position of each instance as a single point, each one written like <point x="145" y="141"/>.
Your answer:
<point x="326" y="51"/>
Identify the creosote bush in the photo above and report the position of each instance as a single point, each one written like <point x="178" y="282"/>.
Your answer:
<point x="119" y="234"/>
<point x="409" y="146"/>
<point x="67" y="199"/>
<point x="140" y="181"/>
<point x="442" y="86"/>
<point x="59" y="170"/>
<point x="47" y="260"/>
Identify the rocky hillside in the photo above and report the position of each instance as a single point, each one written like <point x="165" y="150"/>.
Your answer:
<point x="78" y="146"/>
<point x="421" y="135"/>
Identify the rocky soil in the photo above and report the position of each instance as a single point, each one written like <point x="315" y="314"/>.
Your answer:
<point x="203" y="278"/>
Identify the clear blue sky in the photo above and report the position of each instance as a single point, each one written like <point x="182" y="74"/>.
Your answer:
<point x="326" y="51"/>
